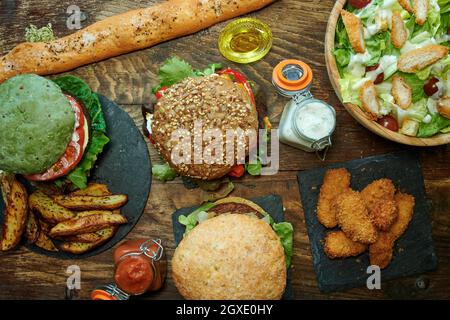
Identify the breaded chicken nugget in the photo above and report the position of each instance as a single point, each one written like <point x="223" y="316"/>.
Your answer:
<point x="402" y="92"/>
<point x="418" y="59"/>
<point x="443" y="107"/>
<point x="369" y="97"/>
<point x="383" y="214"/>
<point x="406" y="4"/>
<point x="335" y="182"/>
<point x="355" y="31"/>
<point x="380" y="252"/>
<point x="421" y="11"/>
<point x="399" y="33"/>
<point x="379" y="199"/>
<point x="354" y="219"/>
<point x="338" y="245"/>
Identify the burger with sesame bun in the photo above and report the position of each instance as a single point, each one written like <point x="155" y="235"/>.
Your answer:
<point x="217" y="98"/>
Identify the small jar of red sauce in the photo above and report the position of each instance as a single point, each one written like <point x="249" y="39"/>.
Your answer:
<point x="140" y="267"/>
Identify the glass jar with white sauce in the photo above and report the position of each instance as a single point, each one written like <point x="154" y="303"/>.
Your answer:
<point x="306" y="123"/>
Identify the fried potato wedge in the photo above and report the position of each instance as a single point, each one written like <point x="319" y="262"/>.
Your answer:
<point x="82" y="203"/>
<point x="83" y="238"/>
<point x="87" y="224"/>
<point x="80" y="247"/>
<point x="32" y="228"/>
<point x="48" y="209"/>
<point x="90" y="213"/>
<point x="93" y="189"/>
<point x="16" y="213"/>
<point x="44" y="242"/>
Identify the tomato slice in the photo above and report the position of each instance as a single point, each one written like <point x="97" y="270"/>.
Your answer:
<point x="74" y="151"/>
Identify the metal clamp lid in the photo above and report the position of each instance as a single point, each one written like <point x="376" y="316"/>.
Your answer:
<point x="109" y="292"/>
<point x="322" y="146"/>
<point x="147" y="250"/>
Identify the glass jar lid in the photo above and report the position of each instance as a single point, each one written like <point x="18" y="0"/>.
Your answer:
<point x="292" y="77"/>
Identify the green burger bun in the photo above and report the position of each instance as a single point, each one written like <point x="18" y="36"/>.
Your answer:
<point x="36" y="124"/>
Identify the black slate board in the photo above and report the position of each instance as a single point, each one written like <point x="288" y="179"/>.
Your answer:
<point x="272" y="204"/>
<point x="414" y="251"/>
<point x="124" y="166"/>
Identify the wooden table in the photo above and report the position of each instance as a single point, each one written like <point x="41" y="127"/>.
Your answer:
<point x="299" y="29"/>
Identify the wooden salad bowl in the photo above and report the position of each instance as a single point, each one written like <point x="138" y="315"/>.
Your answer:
<point x="355" y="111"/>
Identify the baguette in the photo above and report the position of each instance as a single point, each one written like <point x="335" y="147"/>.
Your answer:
<point x="127" y="32"/>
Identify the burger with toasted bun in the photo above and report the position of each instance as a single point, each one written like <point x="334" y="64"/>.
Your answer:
<point x="50" y="130"/>
<point x="232" y="250"/>
<point x="219" y="99"/>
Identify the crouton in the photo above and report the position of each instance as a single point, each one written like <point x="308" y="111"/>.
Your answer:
<point x="355" y="31"/>
<point x="421" y="11"/>
<point x="402" y="92"/>
<point x="369" y="98"/>
<point x="418" y="59"/>
<point x="443" y="107"/>
<point x="399" y="34"/>
<point x="410" y="127"/>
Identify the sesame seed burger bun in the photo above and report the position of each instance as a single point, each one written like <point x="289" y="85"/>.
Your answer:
<point x="230" y="257"/>
<point x="215" y="100"/>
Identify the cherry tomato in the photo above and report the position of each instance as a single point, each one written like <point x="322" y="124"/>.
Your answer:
<point x="389" y="122"/>
<point x="359" y="4"/>
<point x="158" y="93"/>
<point x="380" y="77"/>
<point x="237" y="171"/>
<point x="74" y="151"/>
<point x="431" y="87"/>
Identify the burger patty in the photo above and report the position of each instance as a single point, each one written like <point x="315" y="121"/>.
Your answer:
<point x="219" y="104"/>
<point x="236" y="208"/>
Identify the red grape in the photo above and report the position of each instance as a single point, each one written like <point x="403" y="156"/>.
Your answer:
<point x="389" y="122"/>
<point x="380" y="78"/>
<point x="431" y="87"/>
<point x="359" y="4"/>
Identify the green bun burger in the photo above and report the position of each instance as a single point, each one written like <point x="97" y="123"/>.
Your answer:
<point x="50" y="130"/>
<point x="36" y="124"/>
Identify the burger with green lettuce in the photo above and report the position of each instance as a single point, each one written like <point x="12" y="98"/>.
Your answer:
<point x="50" y="130"/>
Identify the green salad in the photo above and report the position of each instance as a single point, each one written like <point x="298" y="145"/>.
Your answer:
<point x="393" y="60"/>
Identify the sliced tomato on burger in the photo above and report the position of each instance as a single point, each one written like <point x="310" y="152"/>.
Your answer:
<point x="75" y="149"/>
<point x="239" y="78"/>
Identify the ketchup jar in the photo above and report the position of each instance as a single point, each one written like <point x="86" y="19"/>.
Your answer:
<point x="140" y="267"/>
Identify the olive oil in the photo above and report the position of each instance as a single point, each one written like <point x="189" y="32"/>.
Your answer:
<point x="245" y="40"/>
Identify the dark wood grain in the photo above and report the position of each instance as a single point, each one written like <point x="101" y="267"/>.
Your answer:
<point x="299" y="30"/>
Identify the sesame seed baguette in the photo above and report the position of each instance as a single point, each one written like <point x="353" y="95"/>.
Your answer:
<point x="123" y="33"/>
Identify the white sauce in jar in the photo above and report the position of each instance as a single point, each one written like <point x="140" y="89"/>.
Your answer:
<point x="315" y="120"/>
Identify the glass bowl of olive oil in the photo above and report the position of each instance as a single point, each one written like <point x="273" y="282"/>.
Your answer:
<point x="245" y="40"/>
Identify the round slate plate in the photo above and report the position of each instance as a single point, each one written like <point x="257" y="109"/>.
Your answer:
<point x="124" y="166"/>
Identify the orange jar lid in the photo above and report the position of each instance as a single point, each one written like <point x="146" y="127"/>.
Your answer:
<point x="109" y="292"/>
<point x="292" y="75"/>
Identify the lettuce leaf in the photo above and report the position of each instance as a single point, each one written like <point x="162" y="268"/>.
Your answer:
<point x="416" y="85"/>
<point x="79" y="175"/>
<point x="436" y="124"/>
<point x="80" y="90"/>
<point x="175" y="70"/>
<point x="163" y="172"/>
<point x="191" y="220"/>
<point x="285" y="232"/>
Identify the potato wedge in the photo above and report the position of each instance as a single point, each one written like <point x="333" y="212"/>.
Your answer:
<point x="32" y="228"/>
<point x="83" y="238"/>
<point x="80" y="247"/>
<point x="16" y="213"/>
<point x="48" y="209"/>
<point x="82" y="203"/>
<point x="90" y="213"/>
<point x="44" y="242"/>
<point x="87" y="224"/>
<point x="93" y="189"/>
